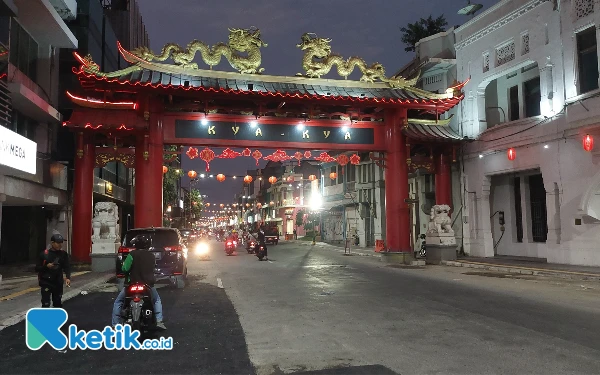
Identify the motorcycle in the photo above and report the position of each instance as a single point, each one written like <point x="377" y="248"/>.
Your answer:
<point x="139" y="308"/>
<point x="261" y="252"/>
<point x="230" y="247"/>
<point x="422" y="253"/>
<point x="202" y="250"/>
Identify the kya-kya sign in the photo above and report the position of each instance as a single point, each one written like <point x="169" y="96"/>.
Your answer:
<point x="17" y="152"/>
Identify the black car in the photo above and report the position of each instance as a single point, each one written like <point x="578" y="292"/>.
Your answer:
<point x="169" y="251"/>
<point x="189" y="236"/>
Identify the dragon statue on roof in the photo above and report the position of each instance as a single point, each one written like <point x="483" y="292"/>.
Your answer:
<point x="240" y="41"/>
<point x="318" y="61"/>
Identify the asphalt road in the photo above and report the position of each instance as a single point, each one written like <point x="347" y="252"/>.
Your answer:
<point x="315" y="311"/>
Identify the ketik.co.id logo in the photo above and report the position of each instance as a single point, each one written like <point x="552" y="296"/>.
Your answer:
<point x="43" y="326"/>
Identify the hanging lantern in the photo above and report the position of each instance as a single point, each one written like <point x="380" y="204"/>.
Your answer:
<point x="248" y="179"/>
<point x="290" y="179"/>
<point x="312" y="177"/>
<point x="588" y="143"/>
<point x="222" y="205"/>
<point x="271" y="203"/>
<point x="220" y="177"/>
<point x="208" y="205"/>
<point x="192" y="174"/>
<point x="165" y="169"/>
<point x="272" y="180"/>
<point x="333" y="175"/>
<point x="257" y="155"/>
<point x="511" y="154"/>
<point x="259" y="205"/>
<point x="247" y="204"/>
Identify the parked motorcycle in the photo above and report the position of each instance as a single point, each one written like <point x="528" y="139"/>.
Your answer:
<point x="230" y="247"/>
<point x="422" y="253"/>
<point x="139" y="308"/>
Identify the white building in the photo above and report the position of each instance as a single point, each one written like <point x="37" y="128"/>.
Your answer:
<point x="533" y="69"/>
<point x="33" y="187"/>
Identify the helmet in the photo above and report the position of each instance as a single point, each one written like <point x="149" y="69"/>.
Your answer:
<point x="141" y="241"/>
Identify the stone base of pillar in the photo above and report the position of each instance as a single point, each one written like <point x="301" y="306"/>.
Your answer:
<point x="397" y="258"/>
<point x="103" y="262"/>
<point x="105" y="248"/>
<point x="438" y="253"/>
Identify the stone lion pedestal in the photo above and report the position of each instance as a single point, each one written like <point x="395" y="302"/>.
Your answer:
<point x="105" y="237"/>
<point x="440" y="240"/>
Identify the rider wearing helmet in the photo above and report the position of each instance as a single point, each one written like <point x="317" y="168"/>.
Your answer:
<point x="139" y="265"/>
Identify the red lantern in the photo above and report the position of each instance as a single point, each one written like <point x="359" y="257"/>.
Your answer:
<point x="271" y="203"/>
<point x="165" y="169"/>
<point x="220" y="177"/>
<point x="272" y="180"/>
<point x="333" y="175"/>
<point x="222" y="205"/>
<point x="248" y="179"/>
<point x="511" y="154"/>
<point x="192" y="174"/>
<point x="588" y="143"/>
<point x="290" y="179"/>
<point x="312" y="177"/>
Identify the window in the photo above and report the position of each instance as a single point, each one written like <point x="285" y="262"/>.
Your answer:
<point x="23" y="125"/>
<point x="513" y="97"/>
<point x="533" y="96"/>
<point x="518" y="210"/>
<point x="340" y="176"/>
<point x="537" y="194"/>
<point x="351" y="171"/>
<point x="23" y="51"/>
<point x="587" y="60"/>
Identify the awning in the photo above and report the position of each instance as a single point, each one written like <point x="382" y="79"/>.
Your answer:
<point x="431" y="133"/>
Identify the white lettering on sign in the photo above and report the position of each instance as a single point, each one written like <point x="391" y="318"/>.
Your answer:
<point x="17" y="152"/>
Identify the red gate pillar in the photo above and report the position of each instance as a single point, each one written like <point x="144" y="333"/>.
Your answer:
<point x="397" y="212"/>
<point x="83" y="185"/>
<point x="149" y="176"/>
<point x="443" y="181"/>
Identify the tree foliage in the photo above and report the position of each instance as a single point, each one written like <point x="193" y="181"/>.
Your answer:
<point x="170" y="179"/>
<point x="300" y="218"/>
<point x="413" y="32"/>
<point x="312" y="220"/>
<point x="193" y="203"/>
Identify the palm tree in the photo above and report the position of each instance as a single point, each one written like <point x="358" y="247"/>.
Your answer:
<point x="413" y="32"/>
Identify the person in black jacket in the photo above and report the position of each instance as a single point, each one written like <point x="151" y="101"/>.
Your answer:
<point x="139" y="265"/>
<point x="50" y="266"/>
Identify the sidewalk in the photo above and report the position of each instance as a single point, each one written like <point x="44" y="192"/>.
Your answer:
<point x="361" y="251"/>
<point x="19" y="294"/>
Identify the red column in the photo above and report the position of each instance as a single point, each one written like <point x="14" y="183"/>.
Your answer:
<point x="149" y="176"/>
<point x="443" y="181"/>
<point x="397" y="212"/>
<point x="83" y="185"/>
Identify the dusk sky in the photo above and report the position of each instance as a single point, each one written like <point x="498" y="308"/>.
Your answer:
<point x="368" y="29"/>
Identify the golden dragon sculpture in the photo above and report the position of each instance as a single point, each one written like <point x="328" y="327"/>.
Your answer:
<point x="318" y="61"/>
<point x="246" y="41"/>
<point x="90" y="67"/>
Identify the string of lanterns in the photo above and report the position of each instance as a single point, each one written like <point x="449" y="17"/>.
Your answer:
<point x="587" y="144"/>
<point x="247" y="179"/>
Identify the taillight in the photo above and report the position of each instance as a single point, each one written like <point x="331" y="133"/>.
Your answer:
<point x="229" y="243"/>
<point x="235" y="243"/>
<point x="124" y="249"/>
<point x="174" y="248"/>
<point x="136" y="288"/>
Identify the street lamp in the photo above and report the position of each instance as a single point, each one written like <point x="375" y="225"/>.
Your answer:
<point x="316" y="202"/>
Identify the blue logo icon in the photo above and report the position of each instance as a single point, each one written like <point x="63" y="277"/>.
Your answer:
<point x="43" y="326"/>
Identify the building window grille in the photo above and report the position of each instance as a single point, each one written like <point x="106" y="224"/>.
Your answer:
<point x="505" y="53"/>
<point x="583" y="8"/>
<point x="23" y="51"/>
<point x="486" y="62"/>
<point x="525" y="44"/>
<point x="539" y="223"/>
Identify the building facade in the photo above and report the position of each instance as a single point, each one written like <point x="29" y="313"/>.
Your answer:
<point x="529" y="187"/>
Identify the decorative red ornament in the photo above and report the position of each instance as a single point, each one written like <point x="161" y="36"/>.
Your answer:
<point x="511" y="154"/>
<point x="333" y="175"/>
<point x="165" y="169"/>
<point x="192" y="174"/>
<point x="229" y="154"/>
<point x="290" y="179"/>
<point x="247" y="152"/>
<point x="207" y="155"/>
<point x="278" y="156"/>
<point x="312" y="177"/>
<point x="307" y="154"/>
<point x="257" y="155"/>
<point x="298" y="156"/>
<point x="342" y="160"/>
<point x="248" y="179"/>
<point x="588" y="143"/>
<point x="192" y="152"/>
<point x="272" y="180"/>
<point x="220" y="177"/>
<point x="355" y="159"/>
<point x="325" y="158"/>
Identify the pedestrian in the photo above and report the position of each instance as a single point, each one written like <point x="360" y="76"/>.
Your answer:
<point x="295" y="234"/>
<point x="51" y="264"/>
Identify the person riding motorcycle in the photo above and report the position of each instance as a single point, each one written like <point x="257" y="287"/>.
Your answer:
<point x="261" y="241"/>
<point x="139" y="266"/>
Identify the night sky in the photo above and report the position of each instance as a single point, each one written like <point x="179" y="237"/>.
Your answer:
<point x="368" y="29"/>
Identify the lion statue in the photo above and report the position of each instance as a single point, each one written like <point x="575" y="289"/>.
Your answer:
<point x="105" y="222"/>
<point x="439" y="220"/>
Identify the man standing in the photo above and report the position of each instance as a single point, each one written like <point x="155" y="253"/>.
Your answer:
<point x="50" y="266"/>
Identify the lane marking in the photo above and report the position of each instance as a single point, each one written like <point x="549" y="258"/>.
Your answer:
<point x="29" y="290"/>
<point x="270" y="261"/>
<point x="219" y="283"/>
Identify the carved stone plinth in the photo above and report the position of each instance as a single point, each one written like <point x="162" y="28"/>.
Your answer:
<point x="103" y="262"/>
<point x="436" y="253"/>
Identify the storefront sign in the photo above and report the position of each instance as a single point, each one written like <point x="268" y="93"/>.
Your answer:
<point x="17" y="152"/>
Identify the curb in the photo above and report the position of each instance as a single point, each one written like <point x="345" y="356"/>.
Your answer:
<point x="335" y="248"/>
<point x="569" y="275"/>
<point x="66" y="296"/>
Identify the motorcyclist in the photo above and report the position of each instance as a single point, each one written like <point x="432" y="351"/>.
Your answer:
<point x="139" y="266"/>
<point x="261" y="240"/>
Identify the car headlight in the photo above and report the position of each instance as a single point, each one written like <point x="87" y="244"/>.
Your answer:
<point x="202" y="248"/>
